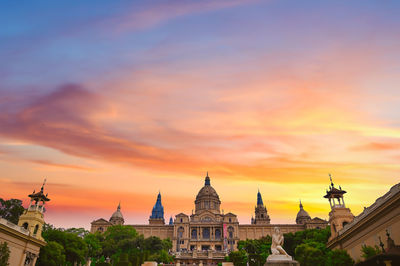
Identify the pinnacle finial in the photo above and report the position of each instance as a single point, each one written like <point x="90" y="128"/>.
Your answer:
<point x="119" y="206"/>
<point x="44" y="182"/>
<point x="330" y="177"/>
<point x="207" y="181"/>
<point x="301" y="205"/>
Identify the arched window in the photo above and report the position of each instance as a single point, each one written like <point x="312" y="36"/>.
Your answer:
<point x="181" y="220"/>
<point x="230" y="220"/>
<point x="230" y="232"/>
<point x="100" y="229"/>
<point x="217" y="233"/>
<point x="206" y="233"/>
<point x="194" y="234"/>
<point x="36" y="229"/>
<point x="262" y="215"/>
<point x="25" y="225"/>
<point x="180" y="232"/>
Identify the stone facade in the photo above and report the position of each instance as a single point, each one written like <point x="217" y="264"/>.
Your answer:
<point x="209" y="234"/>
<point x="25" y="239"/>
<point x="368" y="228"/>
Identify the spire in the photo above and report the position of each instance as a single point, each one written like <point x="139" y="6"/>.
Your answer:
<point x="119" y="206"/>
<point x="259" y="198"/>
<point x="301" y="205"/>
<point x="44" y="182"/>
<point x="158" y="209"/>
<point x="207" y="181"/>
<point x="330" y="177"/>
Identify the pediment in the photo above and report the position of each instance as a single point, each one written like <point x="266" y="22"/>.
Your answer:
<point x="318" y="220"/>
<point x="100" y="221"/>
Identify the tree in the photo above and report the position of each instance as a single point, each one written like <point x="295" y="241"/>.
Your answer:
<point x="4" y="254"/>
<point x="292" y="240"/>
<point x="81" y="232"/>
<point x="167" y="244"/>
<point x="75" y="247"/>
<point x="309" y="255"/>
<point x="52" y="254"/>
<point x="93" y="242"/>
<point x="11" y="209"/>
<point x="339" y="257"/>
<point x="153" y="244"/>
<point x="257" y="249"/>
<point x="239" y="258"/>
<point x="123" y="260"/>
<point x="368" y="251"/>
<point x="118" y="239"/>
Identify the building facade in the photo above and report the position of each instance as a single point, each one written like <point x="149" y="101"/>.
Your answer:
<point x="25" y="239"/>
<point x="373" y="226"/>
<point x="208" y="234"/>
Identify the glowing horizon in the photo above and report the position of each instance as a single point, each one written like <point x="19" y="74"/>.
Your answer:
<point x="114" y="102"/>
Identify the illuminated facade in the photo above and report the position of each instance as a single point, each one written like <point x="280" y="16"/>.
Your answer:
<point x="207" y="234"/>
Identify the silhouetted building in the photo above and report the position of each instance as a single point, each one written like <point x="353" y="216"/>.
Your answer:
<point x="351" y="233"/>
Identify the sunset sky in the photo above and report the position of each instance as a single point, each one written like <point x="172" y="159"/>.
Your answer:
<point x="115" y="100"/>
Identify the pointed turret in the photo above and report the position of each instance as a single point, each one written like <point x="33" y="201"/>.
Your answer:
<point x="157" y="214"/>
<point x="171" y="221"/>
<point x="261" y="214"/>
<point x="259" y="199"/>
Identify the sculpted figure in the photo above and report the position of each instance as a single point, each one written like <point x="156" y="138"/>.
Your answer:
<point x="277" y="242"/>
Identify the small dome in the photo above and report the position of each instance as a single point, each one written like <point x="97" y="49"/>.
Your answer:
<point x="117" y="214"/>
<point x="302" y="215"/>
<point x="207" y="192"/>
<point x="116" y="217"/>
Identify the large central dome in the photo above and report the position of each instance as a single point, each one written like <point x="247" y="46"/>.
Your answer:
<point x="207" y="198"/>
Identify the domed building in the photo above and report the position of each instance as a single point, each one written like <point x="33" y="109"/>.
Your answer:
<point x="208" y="234"/>
<point x="117" y="217"/>
<point x="302" y="216"/>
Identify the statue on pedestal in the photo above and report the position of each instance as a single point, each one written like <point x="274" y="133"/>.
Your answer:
<point x="279" y="255"/>
<point x="277" y="243"/>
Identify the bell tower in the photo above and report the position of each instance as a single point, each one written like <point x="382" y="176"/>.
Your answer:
<point x="32" y="219"/>
<point x="261" y="214"/>
<point x="339" y="215"/>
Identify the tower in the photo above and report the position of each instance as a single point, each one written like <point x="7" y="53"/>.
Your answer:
<point x="207" y="200"/>
<point x="261" y="214"/>
<point x="32" y="219"/>
<point x="157" y="214"/>
<point x="339" y="215"/>
<point x="302" y="216"/>
<point x="117" y="217"/>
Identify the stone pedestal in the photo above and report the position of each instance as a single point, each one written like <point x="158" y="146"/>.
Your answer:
<point x="281" y="260"/>
<point x="150" y="263"/>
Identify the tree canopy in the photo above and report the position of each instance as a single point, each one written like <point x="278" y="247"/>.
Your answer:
<point x="11" y="209"/>
<point x="4" y="254"/>
<point x="122" y="245"/>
